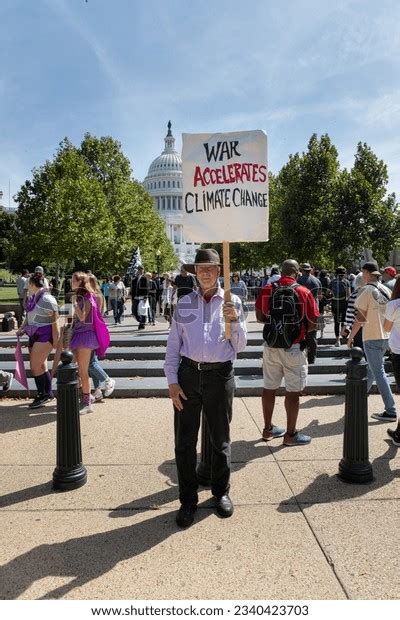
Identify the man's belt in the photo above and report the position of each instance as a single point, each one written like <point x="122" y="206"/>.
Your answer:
<point x="205" y="365"/>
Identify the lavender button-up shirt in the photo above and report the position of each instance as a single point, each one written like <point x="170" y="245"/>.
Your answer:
<point x="198" y="332"/>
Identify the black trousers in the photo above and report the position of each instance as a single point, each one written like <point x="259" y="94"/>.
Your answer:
<point x="311" y="340"/>
<point x="339" y="316"/>
<point x="395" y="357"/>
<point x="140" y="318"/>
<point x="210" y="391"/>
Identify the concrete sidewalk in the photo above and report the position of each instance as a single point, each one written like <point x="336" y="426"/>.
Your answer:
<point x="297" y="531"/>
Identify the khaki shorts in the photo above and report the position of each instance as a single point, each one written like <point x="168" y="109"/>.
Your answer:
<point x="290" y="364"/>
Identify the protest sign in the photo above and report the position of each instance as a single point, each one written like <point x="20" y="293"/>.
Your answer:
<point x="225" y="191"/>
<point x="225" y="186"/>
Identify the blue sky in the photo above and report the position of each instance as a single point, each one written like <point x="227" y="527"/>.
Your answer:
<point x="125" y="67"/>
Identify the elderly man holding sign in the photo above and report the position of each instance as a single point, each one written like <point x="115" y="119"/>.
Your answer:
<point x="225" y="198"/>
<point x="199" y="370"/>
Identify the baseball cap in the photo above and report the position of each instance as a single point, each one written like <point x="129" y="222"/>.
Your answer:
<point x="39" y="269"/>
<point x="391" y="271"/>
<point x="340" y="270"/>
<point x="372" y="267"/>
<point x="306" y="267"/>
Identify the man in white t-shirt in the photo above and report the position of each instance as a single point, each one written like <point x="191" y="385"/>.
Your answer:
<point x="371" y="307"/>
<point x="22" y="284"/>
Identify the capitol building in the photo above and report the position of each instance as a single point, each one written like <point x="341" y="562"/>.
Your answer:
<point x="164" y="183"/>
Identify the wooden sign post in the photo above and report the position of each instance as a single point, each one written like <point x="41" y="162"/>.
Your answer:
<point x="227" y="283"/>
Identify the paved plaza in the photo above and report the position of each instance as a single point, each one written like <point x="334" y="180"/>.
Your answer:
<point x="298" y="532"/>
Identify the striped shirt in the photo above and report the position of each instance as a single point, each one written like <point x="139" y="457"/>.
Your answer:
<point x="351" y="309"/>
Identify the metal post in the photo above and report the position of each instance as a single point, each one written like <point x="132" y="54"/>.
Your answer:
<point x="69" y="472"/>
<point x="204" y="467"/>
<point x="355" y="465"/>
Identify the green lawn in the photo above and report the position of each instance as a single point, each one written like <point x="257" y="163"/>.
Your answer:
<point x="8" y="293"/>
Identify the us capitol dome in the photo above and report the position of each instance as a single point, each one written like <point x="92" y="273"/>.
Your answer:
<point x="164" y="183"/>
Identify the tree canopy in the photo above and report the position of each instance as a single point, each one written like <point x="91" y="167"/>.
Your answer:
<point x="84" y="209"/>
<point x="325" y="215"/>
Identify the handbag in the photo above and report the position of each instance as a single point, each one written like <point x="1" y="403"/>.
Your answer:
<point x="143" y="307"/>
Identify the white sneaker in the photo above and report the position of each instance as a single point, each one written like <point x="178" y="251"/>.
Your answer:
<point x="109" y="387"/>
<point x="86" y="409"/>
<point x="97" y="395"/>
<point x="8" y="384"/>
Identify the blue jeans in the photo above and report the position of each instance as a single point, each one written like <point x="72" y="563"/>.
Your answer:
<point x="96" y="372"/>
<point x="117" y="306"/>
<point x="374" y="352"/>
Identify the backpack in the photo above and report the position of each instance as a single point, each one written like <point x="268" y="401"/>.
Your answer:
<point x="284" y="317"/>
<point x="379" y="294"/>
<point x="340" y="289"/>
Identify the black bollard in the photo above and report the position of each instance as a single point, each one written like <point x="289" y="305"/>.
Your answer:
<point x="204" y="467"/>
<point x="69" y="472"/>
<point x="355" y="465"/>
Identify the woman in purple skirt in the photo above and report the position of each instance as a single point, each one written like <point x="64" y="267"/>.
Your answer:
<point x="41" y="326"/>
<point x="83" y="338"/>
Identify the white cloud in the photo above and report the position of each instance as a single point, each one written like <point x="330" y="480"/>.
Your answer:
<point x="384" y="111"/>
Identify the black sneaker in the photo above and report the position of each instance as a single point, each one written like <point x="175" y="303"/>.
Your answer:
<point x="47" y="398"/>
<point x="185" y="515"/>
<point x="38" y="401"/>
<point x="384" y="417"/>
<point x="394" y="436"/>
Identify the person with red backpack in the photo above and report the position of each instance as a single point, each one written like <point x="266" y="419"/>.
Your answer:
<point x="288" y="311"/>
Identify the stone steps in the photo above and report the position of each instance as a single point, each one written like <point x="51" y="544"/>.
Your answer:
<point x="142" y="339"/>
<point x="136" y="362"/>
<point x="155" y="368"/>
<point x="246" y="385"/>
<point x="158" y="353"/>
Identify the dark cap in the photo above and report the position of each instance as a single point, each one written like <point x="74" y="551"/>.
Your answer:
<point x="340" y="270"/>
<point x="306" y="267"/>
<point x="372" y="267"/>
<point x="206" y="256"/>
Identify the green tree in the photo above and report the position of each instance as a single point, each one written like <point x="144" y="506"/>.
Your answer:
<point x="62" y="214"/>
<point x="306" y="198"/>
<point x="7" y="223"/>
<point x="83" y="208"/>
<point x="324" y="215"/>
<point x="135" y="221"/>
<point x="365" y="217"/>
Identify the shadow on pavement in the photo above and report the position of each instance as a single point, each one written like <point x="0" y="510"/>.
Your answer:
<point x="18" y="417"/>
<point x="323" y="401"/>
<point x="85" y="558"/>
<point x="24" y="495"/>
<point x="326" y="489"/>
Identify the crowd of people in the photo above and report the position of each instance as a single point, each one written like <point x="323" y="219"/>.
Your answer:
<point x="85" y="331"/>
<point x="199" y="357"/>
<point x="291" y="304"/>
